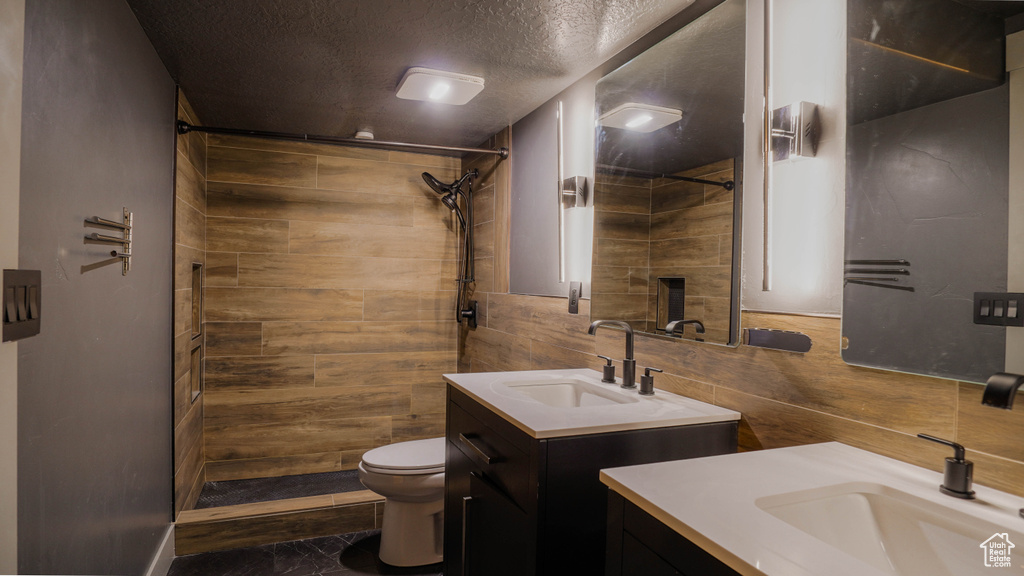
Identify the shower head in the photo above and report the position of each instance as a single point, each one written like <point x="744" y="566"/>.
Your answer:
<point x="449" y="189"/>
<point x="450" y="201"/>
<point x="450" y="193"/>
<point x="436" y="185"/>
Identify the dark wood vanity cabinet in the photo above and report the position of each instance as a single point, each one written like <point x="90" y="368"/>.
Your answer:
<point x="517" y="505"/>
<point x="640" y="545"/>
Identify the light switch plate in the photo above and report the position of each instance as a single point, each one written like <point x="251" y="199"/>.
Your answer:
<point x="999" y="308"/>
<point x="575" y="288"/>
<point x="22" y="306"/>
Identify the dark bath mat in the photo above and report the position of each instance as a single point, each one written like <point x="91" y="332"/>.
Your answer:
<point x="230" y="492"/>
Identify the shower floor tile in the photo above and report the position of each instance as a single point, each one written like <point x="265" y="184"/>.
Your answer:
<point x="231" y="492"/>
<point x="344" y="555"/>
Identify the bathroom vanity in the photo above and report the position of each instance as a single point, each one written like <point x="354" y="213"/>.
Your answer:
<point x="523" y="455"/>
<point x="803" y="511"/>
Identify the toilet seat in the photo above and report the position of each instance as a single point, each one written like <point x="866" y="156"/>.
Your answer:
<point x="407" y="458"/>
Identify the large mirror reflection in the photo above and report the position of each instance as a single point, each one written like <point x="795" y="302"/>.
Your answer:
<point x="929" y="177"/>
<point x="667" y="183"/>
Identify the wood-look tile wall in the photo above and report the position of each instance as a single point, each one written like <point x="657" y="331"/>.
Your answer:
<point x="649" y="229"/>
<point x="622" y="246"/>
<point x="691" y="237"/>
<point x="786" y="398"/>
<point x="189" y="249"/>
<point x="491" y="216"/>
<point x="329" y="304"/>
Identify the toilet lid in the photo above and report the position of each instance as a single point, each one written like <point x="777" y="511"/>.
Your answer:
<point x="421" y="455"/>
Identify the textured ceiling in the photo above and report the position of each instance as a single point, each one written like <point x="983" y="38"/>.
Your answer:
<point x="331" y="67"/>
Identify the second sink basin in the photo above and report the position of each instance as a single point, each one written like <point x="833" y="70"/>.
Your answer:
<point x="893" y="531"/>
<point x="568" y="393"/>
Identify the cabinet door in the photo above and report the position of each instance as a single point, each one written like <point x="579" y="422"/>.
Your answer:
<point x="497" y="533"/>
<point x="639" y="560"/>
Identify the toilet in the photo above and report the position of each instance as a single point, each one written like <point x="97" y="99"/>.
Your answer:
<point x="410" y="477"/>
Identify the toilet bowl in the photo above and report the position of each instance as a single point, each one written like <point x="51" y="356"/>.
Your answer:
<point x="410" y="477"/>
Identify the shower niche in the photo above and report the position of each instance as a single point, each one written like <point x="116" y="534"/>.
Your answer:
<point x="196" y="354"/>
<point x="671" y="301"/>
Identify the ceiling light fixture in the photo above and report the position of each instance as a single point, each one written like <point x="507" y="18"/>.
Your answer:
<point x="639" y="121"/>
<point x="439" y="86"/>
<point x="640" y="117"/>
<point x="439" y="90"/>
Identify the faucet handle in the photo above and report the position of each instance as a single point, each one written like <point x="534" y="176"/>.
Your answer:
<point x="609" y="371"/>
<point x="959" y="472"/>
<point x="647" y="382"/>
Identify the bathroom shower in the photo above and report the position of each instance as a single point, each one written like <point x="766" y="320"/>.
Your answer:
<point x="464" y="307"/>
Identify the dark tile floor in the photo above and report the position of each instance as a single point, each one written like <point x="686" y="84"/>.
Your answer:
<point x="344" y="555"/>
<point x="229" y="492"/>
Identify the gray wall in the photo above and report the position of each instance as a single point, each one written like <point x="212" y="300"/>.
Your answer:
<point x="94" y="430"/>
<point x="929" y="185"/>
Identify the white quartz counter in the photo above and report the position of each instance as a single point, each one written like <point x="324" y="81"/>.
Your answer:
<point x="542" y="421"/>
<point x="711" y="502"/>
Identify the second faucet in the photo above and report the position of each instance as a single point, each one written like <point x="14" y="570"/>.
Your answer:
<point x="628" y="362"/>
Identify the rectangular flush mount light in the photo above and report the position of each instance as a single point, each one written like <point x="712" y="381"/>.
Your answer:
<point x="438" y="86"/>
<point x="640" y="117"/>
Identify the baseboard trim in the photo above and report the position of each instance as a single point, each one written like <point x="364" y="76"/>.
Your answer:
<point x="161" y="562"/>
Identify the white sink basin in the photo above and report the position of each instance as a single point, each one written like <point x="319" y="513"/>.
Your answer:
<point x="893" y="531"/>
<point x="572" y="402"/>
<point x="569" y="393"/>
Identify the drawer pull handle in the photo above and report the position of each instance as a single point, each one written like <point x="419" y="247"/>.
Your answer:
<point x="482" y="456"/>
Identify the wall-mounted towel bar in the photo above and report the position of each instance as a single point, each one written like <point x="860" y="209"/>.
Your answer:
<point x="125" y="226"/>
<point x="855" y="273"/>
<point x="101" y="238"/>
<point x="96" y="220"/>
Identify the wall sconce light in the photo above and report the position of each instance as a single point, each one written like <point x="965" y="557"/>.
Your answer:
<point x="574" y="191"/>
<point x="795" y="131"/>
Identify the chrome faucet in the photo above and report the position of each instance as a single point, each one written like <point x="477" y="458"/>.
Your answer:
<point x="670" y="329"/>
<point x="628" y="363"/>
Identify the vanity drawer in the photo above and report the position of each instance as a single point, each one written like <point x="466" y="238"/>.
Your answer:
<point x="506" y="466"/>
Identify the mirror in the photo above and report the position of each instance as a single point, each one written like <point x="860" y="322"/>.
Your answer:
<point x="928" y="185"/>
<point x="667" y="184"/>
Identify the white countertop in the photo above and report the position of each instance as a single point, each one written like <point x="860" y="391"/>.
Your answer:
<point x="711" y="502"/>
<point x="541" y="421"/>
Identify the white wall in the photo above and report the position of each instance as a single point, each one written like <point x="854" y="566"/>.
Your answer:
<point x="12" y="41"/>
<point x="807" y="196"/>
<point x="534" y="253"/>
<point x="578" y="160"/>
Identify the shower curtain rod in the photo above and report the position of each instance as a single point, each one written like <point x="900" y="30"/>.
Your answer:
<point x="728" y="184"/>
<point x="185" y="128"/>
